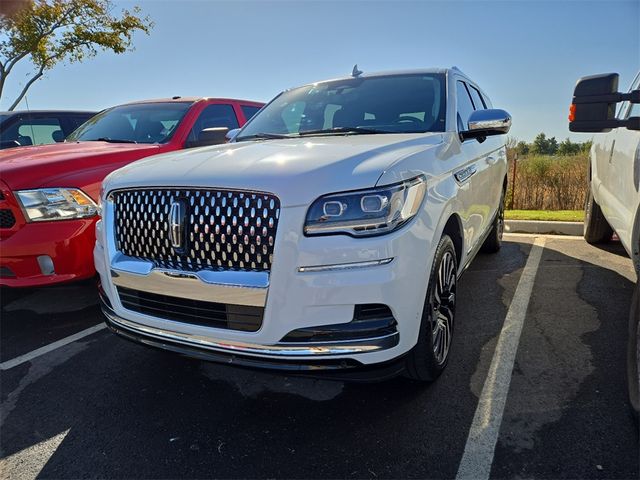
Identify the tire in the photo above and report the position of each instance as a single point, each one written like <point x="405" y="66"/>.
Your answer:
<point x="596" y="228"/>
<point x="426" y="361"/>
<point x="493" y="242"/>
<point x="633" y="353"/>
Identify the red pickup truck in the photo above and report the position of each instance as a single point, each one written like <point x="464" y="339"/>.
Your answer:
<point x="49" y="193"/>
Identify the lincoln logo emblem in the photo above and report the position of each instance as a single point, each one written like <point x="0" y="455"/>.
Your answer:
<point x="176" y="224"/>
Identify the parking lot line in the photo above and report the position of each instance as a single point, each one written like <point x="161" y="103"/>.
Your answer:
<point x="27" y="357"/>
<point x="481" y="442"/>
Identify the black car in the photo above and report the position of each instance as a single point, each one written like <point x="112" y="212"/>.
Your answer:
<point x="38" y="127"/>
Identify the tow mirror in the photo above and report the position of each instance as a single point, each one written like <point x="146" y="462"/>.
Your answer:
<point x="593" y="108"/>
<point x="209" y="136"/>
<point x="484" y="123"/>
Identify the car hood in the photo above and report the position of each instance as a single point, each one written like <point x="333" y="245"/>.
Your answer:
<point x="39" y="166"/>
<point x="297" y="170"/>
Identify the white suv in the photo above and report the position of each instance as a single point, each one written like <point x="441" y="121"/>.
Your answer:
<point x="328" y="236"/>
<point x="613" y="201"/>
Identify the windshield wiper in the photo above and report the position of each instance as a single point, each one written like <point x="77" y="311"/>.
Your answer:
<point x="111" y="140"/>
<point x="262" y="135"/>
<point x="359" y="130"/>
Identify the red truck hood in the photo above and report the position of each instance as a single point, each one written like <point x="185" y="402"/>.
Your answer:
<point x="54" y="165"/>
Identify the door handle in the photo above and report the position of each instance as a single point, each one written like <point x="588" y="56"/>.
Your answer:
<point x="491" y="160"/>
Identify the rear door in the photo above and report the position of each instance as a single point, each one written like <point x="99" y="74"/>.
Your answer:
<point x="477" y="178"/>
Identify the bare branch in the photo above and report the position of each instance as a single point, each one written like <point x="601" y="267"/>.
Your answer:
<point x="26" y="87"/>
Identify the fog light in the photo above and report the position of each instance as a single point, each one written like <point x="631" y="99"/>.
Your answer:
<point x="46" y="265"/>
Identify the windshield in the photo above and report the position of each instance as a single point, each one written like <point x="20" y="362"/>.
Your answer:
<point x="136" y="123"/>
<point x="385" y="104"/>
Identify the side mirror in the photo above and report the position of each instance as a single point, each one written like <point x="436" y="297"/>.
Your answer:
<point x="232" y="134"/>
<point x="58" y="136"/>
<point x="485" y="123"/>
<point x="209" y="136"/>
<point x="593" y="108"/>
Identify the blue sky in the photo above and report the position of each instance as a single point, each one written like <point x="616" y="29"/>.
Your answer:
<point x="526" y="55"/>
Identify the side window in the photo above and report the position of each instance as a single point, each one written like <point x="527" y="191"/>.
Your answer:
<point x="465" y="106"/>
<point x="478" y="102"/>
<point x="627" y="109"/>
<point x="219" y="115"/>
<point x="634" y="111"/>
<point x="74" y="122"/>
<point x="39" y="131"/>
<point x="249" y="111"/>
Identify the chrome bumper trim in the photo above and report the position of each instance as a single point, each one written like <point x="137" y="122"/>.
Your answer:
<point x="345" y="266"/>
<point x="230" y="287"/>
<point x="289" y="350"/>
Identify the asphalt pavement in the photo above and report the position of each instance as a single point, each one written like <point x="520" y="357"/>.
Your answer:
<point x="101" y="407"/>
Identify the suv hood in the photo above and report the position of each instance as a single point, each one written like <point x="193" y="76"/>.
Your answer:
<point x="48" y="165"/>
<point x="297" y="170"/>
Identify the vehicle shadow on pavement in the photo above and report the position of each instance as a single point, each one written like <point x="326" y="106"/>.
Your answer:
<point x="104" y="407"/>
<point x="33" y="317"/>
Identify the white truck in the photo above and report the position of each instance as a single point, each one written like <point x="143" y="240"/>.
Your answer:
<point x="613" y="200"/>
<point x="327" y="236"/>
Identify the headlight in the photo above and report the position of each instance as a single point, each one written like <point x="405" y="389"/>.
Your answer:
<point x="366" y="212"/>
<point x="56" y="204"/>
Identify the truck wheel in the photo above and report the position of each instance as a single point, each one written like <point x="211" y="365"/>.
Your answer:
<point x="596" y="227"/>
<point x="633" y="353"/>
<point x="494" y="241"/>
<point x="426" y="361"/>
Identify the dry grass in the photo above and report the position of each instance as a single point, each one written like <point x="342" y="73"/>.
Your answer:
<point x="548" y="182"/>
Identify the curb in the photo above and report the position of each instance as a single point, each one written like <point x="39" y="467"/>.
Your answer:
<point x="542" y="227"/>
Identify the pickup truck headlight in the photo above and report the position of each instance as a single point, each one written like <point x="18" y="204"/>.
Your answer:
<point x="366" y="212"/>
<point x="56" y="204"/>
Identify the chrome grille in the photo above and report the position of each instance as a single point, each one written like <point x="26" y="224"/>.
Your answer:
<point x="222" y="230"/>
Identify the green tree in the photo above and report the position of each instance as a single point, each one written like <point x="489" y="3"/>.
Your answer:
<point x="540" y="145"/>
<point x="567" y="147"/>
<point x="552" y="146"/>
<point x="522" y="148"/>
<point x="48" y="32"/>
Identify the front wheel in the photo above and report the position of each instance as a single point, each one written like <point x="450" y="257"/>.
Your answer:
<point x="426" y="361"/>
<point x="494" y="241"/>
<point x="596" y="227"/>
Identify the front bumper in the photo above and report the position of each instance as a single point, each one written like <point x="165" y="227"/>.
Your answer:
<point x="273" y="357"/>
<point x="295" y="298"/>
<point x="46" y="253"/>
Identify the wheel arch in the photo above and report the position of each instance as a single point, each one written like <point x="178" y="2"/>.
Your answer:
<point x="453" y="228"/>
<point x="635" y="243"/>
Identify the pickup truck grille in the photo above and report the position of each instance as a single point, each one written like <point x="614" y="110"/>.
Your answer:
<point x="219" y="229"/>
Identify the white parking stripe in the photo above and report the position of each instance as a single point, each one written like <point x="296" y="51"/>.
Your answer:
<point x="478" y="452"/>
<point x="27" y="357"/>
